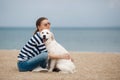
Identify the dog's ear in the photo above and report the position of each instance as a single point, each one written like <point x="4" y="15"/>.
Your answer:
<point x="52" y="36"/>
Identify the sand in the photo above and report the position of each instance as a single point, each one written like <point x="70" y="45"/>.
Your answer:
<point x="90" y="66"/>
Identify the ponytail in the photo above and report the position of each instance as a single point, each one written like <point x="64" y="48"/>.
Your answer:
<point x="36" y="31"/>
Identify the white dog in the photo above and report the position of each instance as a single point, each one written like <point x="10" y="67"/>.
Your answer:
<point x="65" y="66"/>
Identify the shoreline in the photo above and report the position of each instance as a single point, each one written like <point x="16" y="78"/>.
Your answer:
<point x="89" y="66"/>
<point x="106" y="52"/>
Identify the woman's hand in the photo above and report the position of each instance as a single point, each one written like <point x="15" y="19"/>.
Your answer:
<point x="65" y="56"/>
<point x="60" y="56"/>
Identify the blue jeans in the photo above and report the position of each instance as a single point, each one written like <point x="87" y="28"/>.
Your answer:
<point x="29" y="65"/>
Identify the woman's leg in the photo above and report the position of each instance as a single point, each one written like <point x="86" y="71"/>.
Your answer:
<point x="29" y="65"/>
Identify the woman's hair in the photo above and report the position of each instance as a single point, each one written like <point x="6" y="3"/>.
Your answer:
<point x="38" y="23"/>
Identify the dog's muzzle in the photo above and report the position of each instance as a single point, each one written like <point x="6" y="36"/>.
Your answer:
<point x="44" y="38"/>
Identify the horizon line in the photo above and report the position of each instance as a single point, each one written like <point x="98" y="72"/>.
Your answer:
<point x="62" y="27"/>
<point x="116" y="28"/>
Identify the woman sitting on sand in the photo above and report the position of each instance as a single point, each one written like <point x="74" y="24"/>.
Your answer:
<point x="33" y="55"/>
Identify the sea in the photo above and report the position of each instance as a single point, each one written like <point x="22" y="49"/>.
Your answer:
<point x="73" y="39"/>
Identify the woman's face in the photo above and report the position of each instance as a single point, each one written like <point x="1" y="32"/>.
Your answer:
<point x="45" y="24"/>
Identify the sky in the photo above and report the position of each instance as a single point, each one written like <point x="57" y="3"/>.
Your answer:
<point x="61" y="13"/>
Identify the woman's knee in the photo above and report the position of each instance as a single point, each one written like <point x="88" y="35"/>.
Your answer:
<point x="44" y="55"/>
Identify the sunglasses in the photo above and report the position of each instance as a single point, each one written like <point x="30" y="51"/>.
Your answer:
<point x="47" y="24"/>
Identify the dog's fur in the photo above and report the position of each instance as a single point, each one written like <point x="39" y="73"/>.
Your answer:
<point x="65" y="66"/>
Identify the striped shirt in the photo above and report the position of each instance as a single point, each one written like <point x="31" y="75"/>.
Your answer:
<point x="32" y="48"/>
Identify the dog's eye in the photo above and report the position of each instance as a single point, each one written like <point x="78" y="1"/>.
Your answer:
<point x="42" y="32"/>
<point x="47" y="33"/>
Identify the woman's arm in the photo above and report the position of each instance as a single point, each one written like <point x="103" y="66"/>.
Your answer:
<point x="59" y="56"/>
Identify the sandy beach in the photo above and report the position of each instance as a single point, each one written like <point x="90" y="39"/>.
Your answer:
<point x="90" y="66"/>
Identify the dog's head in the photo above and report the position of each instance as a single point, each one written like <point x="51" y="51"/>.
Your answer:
<point x="46" y="35"/>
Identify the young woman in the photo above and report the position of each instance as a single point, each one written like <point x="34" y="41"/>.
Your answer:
<point x="34" y="53"/>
